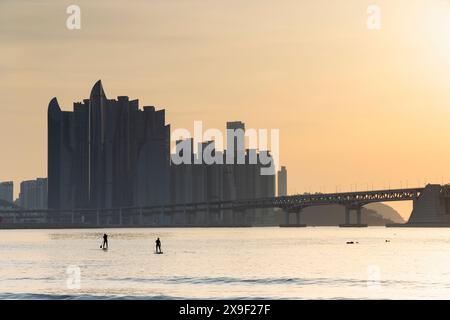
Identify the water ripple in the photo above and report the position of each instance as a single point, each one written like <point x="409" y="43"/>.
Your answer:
<point x="260" y="281"/>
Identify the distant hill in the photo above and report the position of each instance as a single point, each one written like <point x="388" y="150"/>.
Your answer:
<point x="374" y="215"/>
<point x="386" y="211"/>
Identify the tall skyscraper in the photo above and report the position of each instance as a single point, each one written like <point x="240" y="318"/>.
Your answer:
<point x="7" y="191"/>
<point x="235" y="172"/>
<point x="107" y="153"/>
<point x="282" y="182"/>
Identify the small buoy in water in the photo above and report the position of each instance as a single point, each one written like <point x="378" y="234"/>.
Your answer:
<point x="388" y="240"/>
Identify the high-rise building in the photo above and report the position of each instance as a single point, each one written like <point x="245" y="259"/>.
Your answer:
<point x="33" y="194"/>
<point x="107" y="153"/>
<point x="237" y="137"/>
<point x="236" y="171"/>
<point x="7" y="191"/>
<point x="282" y="182"/>
<point x="202" y="182"/>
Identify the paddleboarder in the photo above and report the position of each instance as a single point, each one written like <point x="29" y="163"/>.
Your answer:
<point x="158" y="246"/>
<point x="105" y="242"/>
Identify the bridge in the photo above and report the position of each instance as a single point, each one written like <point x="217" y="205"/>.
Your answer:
<point x="217" y="213"/>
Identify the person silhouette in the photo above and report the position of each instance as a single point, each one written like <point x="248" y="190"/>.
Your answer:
<point x="158" y="246"/>
<point x="105" y="242"/>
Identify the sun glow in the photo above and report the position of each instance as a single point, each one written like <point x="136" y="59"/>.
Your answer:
<point x="437" y="29"/>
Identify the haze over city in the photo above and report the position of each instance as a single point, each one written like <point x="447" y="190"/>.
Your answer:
<point x="356" y="108"/>
<point x="220" y="156"/>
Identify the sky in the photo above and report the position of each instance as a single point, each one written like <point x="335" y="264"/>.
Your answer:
<point x="356" y="108"/>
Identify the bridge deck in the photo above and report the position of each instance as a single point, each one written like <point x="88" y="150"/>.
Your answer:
<point x="286" y="202"/>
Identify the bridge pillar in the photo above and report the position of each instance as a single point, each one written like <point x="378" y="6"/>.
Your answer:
<point x="193" y="217"/>
<point x="170" y="217"/>
<point x="358" y="215"/>
<point x="141" y="217"/>
<point x="207" y="215"/>
<point x="153" y="217"/>
<point x="347" y="215"/>
<point x="187" y="216"/>
<point x="238" y="216"/>
<point x="253" y="217"/>
<point x="73" y="217"/>
<point x="161" y="216"/>
<point x="98" y="217"/>
<point x="358" y="223"/>
<point x="297" y="219"/>
<point x="221" y="214"/>
<point x="184" y="218"/>
<point x="120" y="217"/>
<point x="173" y="216"/>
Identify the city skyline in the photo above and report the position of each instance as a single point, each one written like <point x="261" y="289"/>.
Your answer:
<point x="115" y="153"/>
<point x="375" y="101"/>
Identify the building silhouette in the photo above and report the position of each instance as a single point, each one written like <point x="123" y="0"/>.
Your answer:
<point x="33" y="194"/>
<point x="7" y="191"/>
<point x="107" y="153"/>
<point x="282" y="182"/>
<point x="198" y="181"/>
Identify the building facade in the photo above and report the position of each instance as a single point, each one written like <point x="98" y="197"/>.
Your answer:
<point x="198" y="181"/>
<point x="107" y="153"/>
<point x="7" y="191"/>
<point x="33" y="194"/>
<point x="282" y="182"/>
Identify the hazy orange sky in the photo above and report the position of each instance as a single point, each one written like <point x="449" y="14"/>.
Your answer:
<point x="356" y="108"/>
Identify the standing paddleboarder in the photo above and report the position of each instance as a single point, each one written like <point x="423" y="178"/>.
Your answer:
<point x="105" y="242"/>
<point x="158" y="246"/>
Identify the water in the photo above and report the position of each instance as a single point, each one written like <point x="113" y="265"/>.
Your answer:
<point x="242" y="263"/>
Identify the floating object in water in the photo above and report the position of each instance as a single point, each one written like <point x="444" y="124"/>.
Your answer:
<point x="350" y="242"/>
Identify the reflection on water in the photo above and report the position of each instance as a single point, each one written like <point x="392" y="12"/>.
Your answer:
<point x="226" y="263"/>
<point x="97" y="235"/>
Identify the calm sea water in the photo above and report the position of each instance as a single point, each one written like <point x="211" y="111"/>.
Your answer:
<point x="228" y="263"/>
